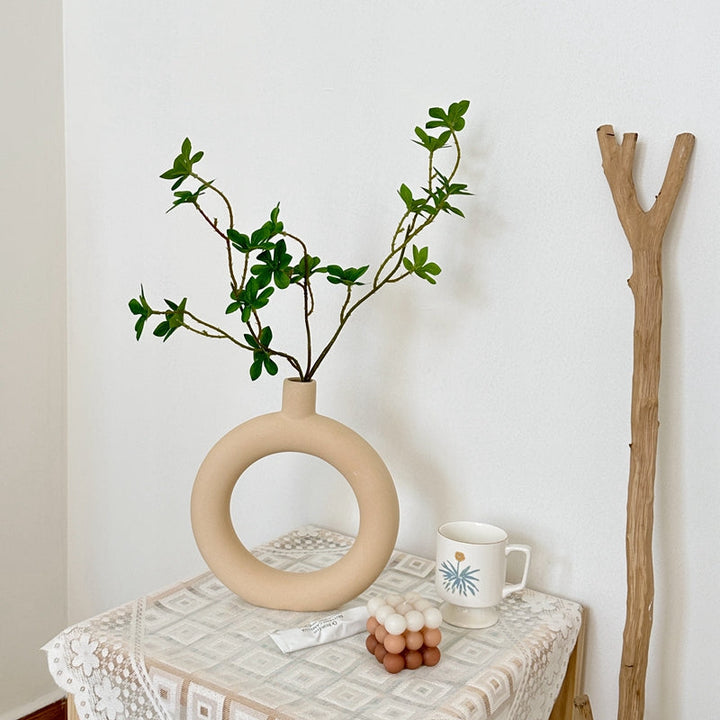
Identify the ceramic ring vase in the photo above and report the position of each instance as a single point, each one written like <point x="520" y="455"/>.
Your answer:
<point x="296" y="428"/>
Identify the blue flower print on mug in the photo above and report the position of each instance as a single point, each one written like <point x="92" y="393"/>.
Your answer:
<point x="458" y="580"/>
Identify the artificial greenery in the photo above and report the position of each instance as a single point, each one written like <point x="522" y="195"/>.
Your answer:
<point x="260" y="263"/>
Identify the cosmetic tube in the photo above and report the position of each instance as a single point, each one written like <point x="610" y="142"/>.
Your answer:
<point x="323" y="630"/>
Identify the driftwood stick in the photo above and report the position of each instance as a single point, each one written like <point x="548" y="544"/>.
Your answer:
<point x="644" y="231"/>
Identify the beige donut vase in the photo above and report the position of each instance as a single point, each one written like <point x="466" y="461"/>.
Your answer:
<point x="296" y="428"/>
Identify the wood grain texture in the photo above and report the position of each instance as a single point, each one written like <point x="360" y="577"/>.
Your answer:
<point x="644" y="231"/>
<point x="583" y="711"/>
<point x="572" y="685"/>
<point x="54" y="711"/>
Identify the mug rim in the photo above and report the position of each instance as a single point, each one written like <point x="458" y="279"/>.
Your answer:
<point x="442" y="532"/>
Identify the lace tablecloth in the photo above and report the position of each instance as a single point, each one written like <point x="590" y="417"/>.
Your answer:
<point x="196" y="651"/>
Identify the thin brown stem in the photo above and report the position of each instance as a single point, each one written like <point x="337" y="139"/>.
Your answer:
<point x="214" y="226"/>
<point x="395" y="236"/>
<point x="220" y="332"/>
<point x="209" y="185"/>
<point x="399" y="277"/>
<point x="458" y="156"/>
<point x="348" y="295"/>
<point x="308" y="299"/>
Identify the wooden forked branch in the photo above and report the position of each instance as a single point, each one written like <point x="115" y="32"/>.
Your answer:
<point x="644" y="231"/>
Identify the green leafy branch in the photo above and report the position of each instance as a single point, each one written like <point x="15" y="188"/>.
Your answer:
<point x="269" y="265"/>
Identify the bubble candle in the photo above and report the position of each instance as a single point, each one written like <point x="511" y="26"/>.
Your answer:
<point x="403" y="631"/>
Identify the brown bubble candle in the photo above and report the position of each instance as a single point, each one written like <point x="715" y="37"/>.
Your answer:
<point x="403" y="631"/>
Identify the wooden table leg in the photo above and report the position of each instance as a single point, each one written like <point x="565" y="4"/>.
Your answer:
<point x="71" y="709"/>
<point x="572" y="685"/>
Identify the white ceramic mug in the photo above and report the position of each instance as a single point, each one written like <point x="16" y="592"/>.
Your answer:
<point x="470" y="572"/>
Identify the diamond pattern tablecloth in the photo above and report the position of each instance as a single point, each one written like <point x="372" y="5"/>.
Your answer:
<point x="196" y="651"/>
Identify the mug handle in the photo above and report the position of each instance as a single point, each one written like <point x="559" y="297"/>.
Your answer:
<point x="509" y="587"/>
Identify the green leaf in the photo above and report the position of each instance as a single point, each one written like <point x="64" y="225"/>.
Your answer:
<point x="458" y="109"/>
<point x="266" y="336"/>
<point x="162" y="329"/>
<point x="307" y="266"/>
<point x="244" y="244"/>
<point x="345" y="276"/>
<point x="275" y="224"/>
<point x="425" y="139"/>
<point x="260" y="235"/>
<point x="169" y="333"/>
<point x="261" y="353"/>
<point x="406" y="195"/>
<point x="256" y="369"/>
<point x="139" y="325"/>
<point x="270" y="365"/>
<point x="274" y="266"/>
<point x="282" y="279"/>
<point x="139" y="306"/>
<point x="181" y="170"/>
<point x="420" y="266"/>
<point x="172" y="174"/>
<point x="249" y="298"/>
<point x="135" y="307"/>
<point x="427" y="272"/>
<point x="456" y="121"/>
<point x="239" y="241"/>
<point x="420" y="256"/>
<point x="260" y="238"/>
<point x="187" y="197"/>
<point x="452" y="119"/>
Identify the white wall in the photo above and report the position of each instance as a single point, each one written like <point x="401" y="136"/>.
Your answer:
<point x="33" y="604"/>
<point x="503" y="393"/>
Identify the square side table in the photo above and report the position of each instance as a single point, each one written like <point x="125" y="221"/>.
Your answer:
<point x="196" y="651"/>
